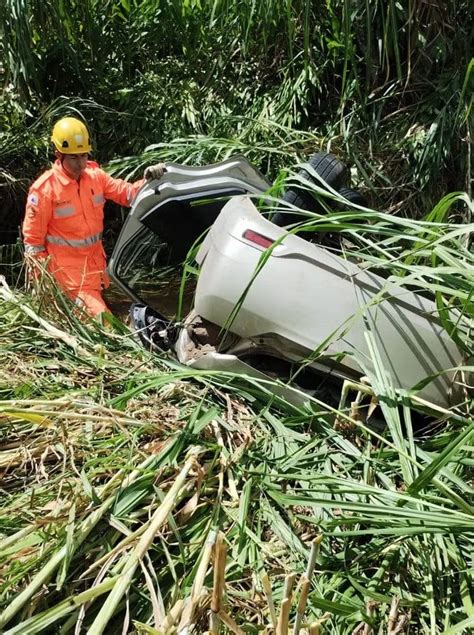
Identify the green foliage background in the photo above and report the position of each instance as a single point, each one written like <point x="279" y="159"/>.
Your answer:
<point x="386" y="85"/>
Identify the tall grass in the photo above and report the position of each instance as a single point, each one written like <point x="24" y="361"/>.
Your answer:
<point x="120" y="469"/>
<point x="388" y="85"/>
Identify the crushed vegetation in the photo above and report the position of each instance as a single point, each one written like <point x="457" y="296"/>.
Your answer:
<point x="145" y="497"/>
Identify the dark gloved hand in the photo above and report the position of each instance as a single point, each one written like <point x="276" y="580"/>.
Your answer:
<point x="154" y="171"/>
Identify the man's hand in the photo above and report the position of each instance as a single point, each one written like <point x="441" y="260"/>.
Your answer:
<point x="154" y="171"/>
<point x="35" y="269"/>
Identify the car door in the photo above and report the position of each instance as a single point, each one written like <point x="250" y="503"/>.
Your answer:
<point x="168" y="215"/>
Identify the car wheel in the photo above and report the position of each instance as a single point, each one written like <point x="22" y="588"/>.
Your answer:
<point x="353" y="196"/>
<point x="330" y="169"/>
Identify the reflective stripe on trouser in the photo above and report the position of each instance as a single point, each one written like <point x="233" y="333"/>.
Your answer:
<point x="90" y="300"/>
<point x="84" y="242"/>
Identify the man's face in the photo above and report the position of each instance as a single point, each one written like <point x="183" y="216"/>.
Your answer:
<point x="74" y="164"/>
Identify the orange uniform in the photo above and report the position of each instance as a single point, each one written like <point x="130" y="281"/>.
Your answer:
<point x="64" y="222"/>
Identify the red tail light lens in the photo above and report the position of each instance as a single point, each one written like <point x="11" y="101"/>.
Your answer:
<point x="257" y="239"/>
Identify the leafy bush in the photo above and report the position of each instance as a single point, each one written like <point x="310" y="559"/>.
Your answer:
<point x="387" y="85"/>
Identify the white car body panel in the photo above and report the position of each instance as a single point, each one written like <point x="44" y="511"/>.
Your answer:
<point x="305" y="294"/>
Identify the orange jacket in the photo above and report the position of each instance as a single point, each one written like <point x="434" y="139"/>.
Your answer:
<point x="64" y="221"/>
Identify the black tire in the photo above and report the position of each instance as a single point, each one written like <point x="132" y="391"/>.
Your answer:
<point x="330" y="169"/>
<point x="353" y="196"/>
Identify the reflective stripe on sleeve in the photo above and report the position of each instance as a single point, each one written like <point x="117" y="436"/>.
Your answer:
<point x="34" y="249"/>
<point x="84" y="242"/>
<point x="65" y="210"/>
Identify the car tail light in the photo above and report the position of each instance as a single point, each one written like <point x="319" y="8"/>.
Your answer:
<point x="257" y="239"/>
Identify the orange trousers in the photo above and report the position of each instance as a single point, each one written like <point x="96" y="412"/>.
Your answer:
<point x="90" y="300"/>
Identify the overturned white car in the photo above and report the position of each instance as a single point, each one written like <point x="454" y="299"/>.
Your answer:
<point x="267" y="302"/>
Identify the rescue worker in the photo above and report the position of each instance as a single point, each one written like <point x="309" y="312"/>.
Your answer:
<point x="65" y="215"/>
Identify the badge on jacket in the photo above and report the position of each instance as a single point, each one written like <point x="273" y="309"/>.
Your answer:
<point x="33" y="199"/>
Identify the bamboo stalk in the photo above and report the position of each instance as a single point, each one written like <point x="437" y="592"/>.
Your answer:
<point x="125" y="578"/>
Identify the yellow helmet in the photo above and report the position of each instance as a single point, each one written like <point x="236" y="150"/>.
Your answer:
<point x="70" y="136"/>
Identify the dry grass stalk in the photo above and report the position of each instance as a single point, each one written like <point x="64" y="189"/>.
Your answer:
<point x="173" y="615"/>
<point x="142" y="547"/>
<point x="198" y="583"/>
<point x="220" y="551"/>
<point x="315" y="545"/>
<point x="203" y="565"/>
<point x="392" y="618"/>
<point x="229" y="622"/>
<point x="213" y="623"/>
<point x="231" y="486"/>
<point x="288" y="586"/>
<point x="191" y="505"/>
<point x="396" y="623"/>
<point x="305" y="586"/>
<point x="49" y="329"/>
<point x="284" y="617"/>
<point x="267" y="589"/>
<point x="222" y="460"/>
